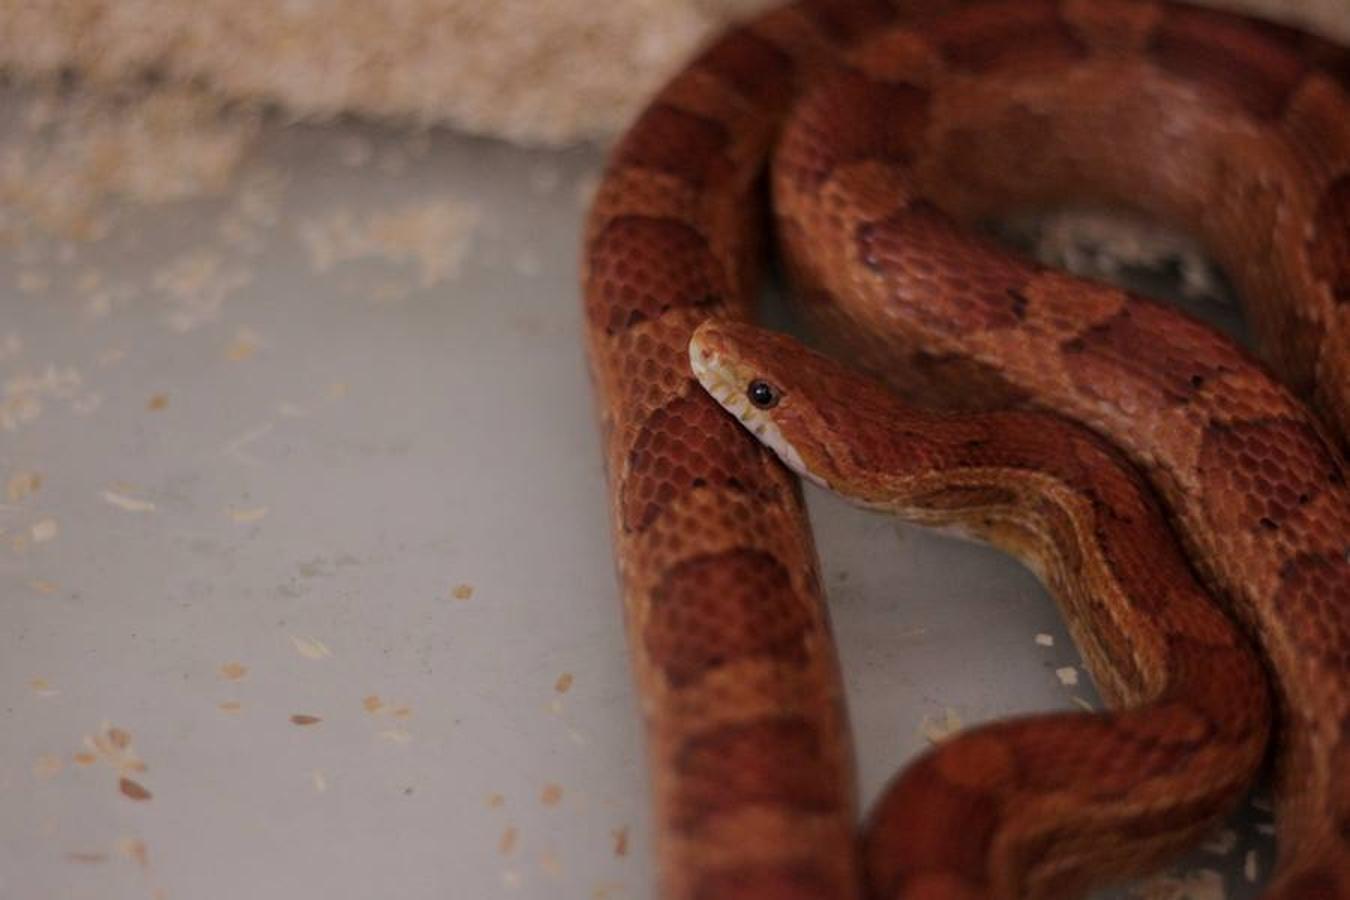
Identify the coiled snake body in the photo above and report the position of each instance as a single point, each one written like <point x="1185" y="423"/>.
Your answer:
<point x="915" y="118"/>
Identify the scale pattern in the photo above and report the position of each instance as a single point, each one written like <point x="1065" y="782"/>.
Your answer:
<point x="988" y="106"/>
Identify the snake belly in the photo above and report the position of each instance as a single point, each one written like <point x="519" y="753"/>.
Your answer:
<point x="730" y="641"/>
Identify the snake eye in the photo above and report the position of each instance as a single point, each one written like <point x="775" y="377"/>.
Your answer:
<point x="762" y="394"/>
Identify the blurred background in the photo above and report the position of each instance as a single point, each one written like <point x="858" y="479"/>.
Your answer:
<point x="304" y="558"/>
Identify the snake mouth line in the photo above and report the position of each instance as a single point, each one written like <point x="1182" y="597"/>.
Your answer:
<point x="719" y="378"/>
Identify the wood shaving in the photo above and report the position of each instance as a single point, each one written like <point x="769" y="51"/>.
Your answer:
<point x="130" y="504"/>
<point x="114" y="746"/>
<point x="495" y="801"/>
<point x="230" y="706"/>
<point x="44" y="587"/>
<point x="564" y="683"/>
<point x="84" y="758"/>
<point x="1067" y="675"/>
<point x="372" y="704"/>
<point x="48" y="765"/>
<point x="249" y="515"/>
<point x="42" y="688"/>
<point x="507" y="842"/>
<point x="304" y="719"/>
<point x="319" y="781"/>
<point x="310" y="648"/>
<point x="135" y="850"/>
<point x="157" y="402"/>
<point x="133" y="790"/>
<point x="87" y="857"/>
<point x="462" y="591"/>
<point x="24" y="396"/>
<point x="395" y="736"/>
<point x="244" y="345"/>
<point x="551" y="795"/>
<point x="195" y="286"/>
<point x="22" y="485"/>
<point x="75" y="150"/>
<point x="233" y="671"/>
<point x="1045" y="640"/>
<point x="1251" y="869"/>
<point x="44" y="531"/>
<point x="433" y="234"/>
<point x="937" y="730"/>
<point x="620" y="836"/>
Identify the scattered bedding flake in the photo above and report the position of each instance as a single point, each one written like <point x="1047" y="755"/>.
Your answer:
<point x="507" y="842"/>
<point x="319" y="780"/>
<point x="11" y="345"/>
<point x="157" y="402"/>
<point x="42" y="688"/>
<point x="23" y="396"/>
<point x="310" y="648"/>
<point x="44" y="587"/>
<point x="564" y="683"/>
<point x="372" y="703"/>
<point x="620" y="836"/>
<point x="462" y="591"/>
<point x="1202" y="884"/>
<point x="196" y="285"/>
<point x="44" y="531"/>
<point x="1222" y="843"/>
<point x="244" y="345"/>
<point x="1250" y="867"/>
<point x="1067" y="675"/>
<point x="1045" y="640"/>
<point x="495" y="801"/>
<point x="1265" y="828"/>
<point x="551" y="795"/>
<point x="22" y="485"/>
<point x="113" y="746"/>
<point x="48" y="765"/>
<point x="433" y="234"/>
<point x="76" y="149"/>
<point x="135" y="850"/>
<point x="549" y="862"/>
<point x="133" y="790"/>
<point x="395" y="736"/>
<point x="935" y="731"/>
<point x="130" y="504"/>
<point x="1082" y="703"/>
<point x="303" y="719"/>
<point x="249" y="515"/>
<point x="230" y="706"/>
<point x="89" y="858"/>
<point x="84" y="758"/>
<point x="233" y="671"/>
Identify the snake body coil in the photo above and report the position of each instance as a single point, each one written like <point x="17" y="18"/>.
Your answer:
<point x="1239" y="131"/>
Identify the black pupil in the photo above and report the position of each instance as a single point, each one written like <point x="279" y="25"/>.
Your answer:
<point x="762" y="394"/>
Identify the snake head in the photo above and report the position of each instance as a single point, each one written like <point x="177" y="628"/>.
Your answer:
<point x="825" y="422"/>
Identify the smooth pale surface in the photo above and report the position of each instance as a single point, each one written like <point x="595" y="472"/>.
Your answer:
<point x="336" y="452"/>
